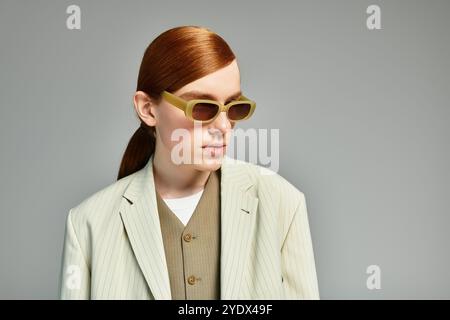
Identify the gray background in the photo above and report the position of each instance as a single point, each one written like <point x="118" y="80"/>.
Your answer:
<point x="363" y="118"/>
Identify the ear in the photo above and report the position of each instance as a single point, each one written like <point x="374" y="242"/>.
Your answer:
<point x="145" y="108"/>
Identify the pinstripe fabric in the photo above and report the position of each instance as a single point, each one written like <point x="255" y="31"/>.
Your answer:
<point x="114" y="249"/>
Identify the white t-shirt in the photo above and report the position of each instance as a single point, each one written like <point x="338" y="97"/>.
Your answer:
<point x="184" y="207"/>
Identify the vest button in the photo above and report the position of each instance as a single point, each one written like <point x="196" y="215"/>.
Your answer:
<point x="187" y="237"/>
<point x="191" y="280"/>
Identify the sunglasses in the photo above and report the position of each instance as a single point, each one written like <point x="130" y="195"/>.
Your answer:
<point x="206" y="111"/>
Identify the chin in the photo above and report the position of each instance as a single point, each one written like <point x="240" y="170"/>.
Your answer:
<point x="209" y="164"/>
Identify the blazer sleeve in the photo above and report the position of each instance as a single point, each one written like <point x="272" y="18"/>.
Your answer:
<point x="297" y="257"/>
<point x="74" y="281"/>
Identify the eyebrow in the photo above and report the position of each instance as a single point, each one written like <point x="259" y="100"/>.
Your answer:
<point x="204" y="95"/>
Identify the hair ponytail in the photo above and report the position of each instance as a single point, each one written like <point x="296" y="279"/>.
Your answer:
<point x="175" y="58"/>
<point x="139" y="150"/>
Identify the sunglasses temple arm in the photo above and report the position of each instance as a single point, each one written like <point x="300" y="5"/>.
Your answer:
<point x="177" y="102"/>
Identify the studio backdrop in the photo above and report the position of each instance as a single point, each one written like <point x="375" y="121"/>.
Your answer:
<point x="352" y="98"/>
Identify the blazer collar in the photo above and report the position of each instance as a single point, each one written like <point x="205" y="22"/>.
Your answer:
<point x="139" y="214"/>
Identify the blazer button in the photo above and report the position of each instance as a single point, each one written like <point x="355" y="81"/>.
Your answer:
<point x="191" y="280"/>
<point x="187" y="237"/>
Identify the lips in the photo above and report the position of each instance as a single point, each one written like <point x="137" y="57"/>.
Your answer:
<point x="214" y="150"/>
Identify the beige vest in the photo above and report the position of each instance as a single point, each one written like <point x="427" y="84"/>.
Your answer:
<point x="193" y="251"/>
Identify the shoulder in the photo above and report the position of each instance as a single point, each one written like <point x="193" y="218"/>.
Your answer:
<point x="100" y="205"/>
<point x="278" y="199"/>
<point x="269" y="182"/>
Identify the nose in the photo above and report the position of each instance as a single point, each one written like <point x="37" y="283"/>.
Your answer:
<point x="222" y="123"/>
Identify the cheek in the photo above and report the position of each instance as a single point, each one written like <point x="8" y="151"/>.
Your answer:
<point x="169" y="122"/>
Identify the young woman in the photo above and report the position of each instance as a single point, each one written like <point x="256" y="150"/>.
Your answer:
<point x="183" y="220"/>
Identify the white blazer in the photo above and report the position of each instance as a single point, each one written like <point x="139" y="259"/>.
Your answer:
<point x="114" y="249"/>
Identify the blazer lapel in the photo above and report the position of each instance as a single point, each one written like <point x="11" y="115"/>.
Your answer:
<point x="238" y="217"/>
<point x="139" y="214"/>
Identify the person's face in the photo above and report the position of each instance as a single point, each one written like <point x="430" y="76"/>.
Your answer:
<point x="224" y="86"/>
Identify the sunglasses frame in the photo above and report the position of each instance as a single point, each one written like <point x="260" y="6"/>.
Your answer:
<point x="187" y="106"/>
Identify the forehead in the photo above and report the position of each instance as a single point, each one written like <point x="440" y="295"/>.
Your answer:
<point x="220" y="84"/>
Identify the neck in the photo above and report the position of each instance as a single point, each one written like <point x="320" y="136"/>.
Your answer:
<point x="175" y="181"/>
